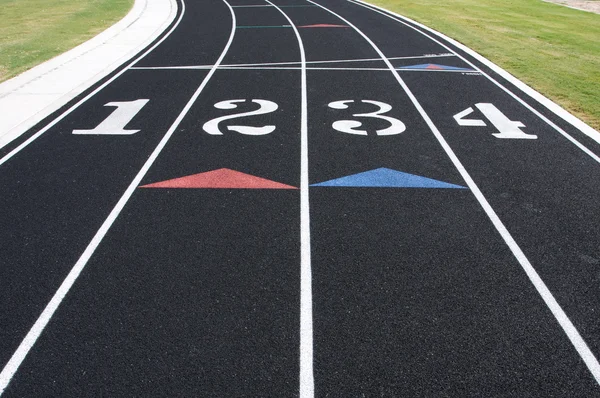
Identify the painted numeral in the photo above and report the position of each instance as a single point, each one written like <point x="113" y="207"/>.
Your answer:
<point x="507" y="129"/>
<point x="212" y="126"/>
<point x="351" y="126"/>
<point x="115" y="123"/>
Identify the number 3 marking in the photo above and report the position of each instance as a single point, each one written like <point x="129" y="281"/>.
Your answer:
<point x="350" y="126"/>
<point x="212" y="126"/>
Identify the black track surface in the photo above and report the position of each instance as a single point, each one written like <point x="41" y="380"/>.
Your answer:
<point x="196" y="292"/>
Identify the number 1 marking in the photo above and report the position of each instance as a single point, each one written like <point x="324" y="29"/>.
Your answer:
<point x="115" y="123"/>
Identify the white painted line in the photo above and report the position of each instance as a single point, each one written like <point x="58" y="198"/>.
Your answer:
<point x="297" y="63"/>
<point x="549" y="104"/>
<point x="307" y="382"/>
<point x="17" y="358"/>
<point x="308" y="68"/>
<point x="252" y="6"/>
<point x="562" y="318"/>
<point x="72" y="108"/>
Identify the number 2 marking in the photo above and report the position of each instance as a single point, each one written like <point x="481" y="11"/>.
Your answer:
<point x="212" y="126"/>
<point x="351" y="126"/>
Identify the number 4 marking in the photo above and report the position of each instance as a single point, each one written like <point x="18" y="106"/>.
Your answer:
<point x="115" y="123"/>
<point x="507" y="129"/>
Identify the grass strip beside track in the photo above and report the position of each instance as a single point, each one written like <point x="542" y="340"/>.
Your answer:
<point x="552" y="48"/>
<point x="34" y="31"/>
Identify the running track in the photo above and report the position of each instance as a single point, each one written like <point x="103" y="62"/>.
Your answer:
<point x="300" y="198"/>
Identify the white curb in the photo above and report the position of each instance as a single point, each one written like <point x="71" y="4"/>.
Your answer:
<point x="28" y="98"/>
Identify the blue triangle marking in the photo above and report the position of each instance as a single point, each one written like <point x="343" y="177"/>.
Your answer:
<point x="428" y="66"/>
<point x="386" y="178"/>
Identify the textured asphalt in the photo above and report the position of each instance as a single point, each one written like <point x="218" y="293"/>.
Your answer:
<point x="196" y="292"/>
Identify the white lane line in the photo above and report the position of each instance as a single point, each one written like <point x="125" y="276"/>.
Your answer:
<point x="34" y="333"/>
<point x="87" y="97"/>
<point x="307" y="382"/>
<point x="297" y="63"/>
<point x="562" y="318"/>
<point x="595" y="137"/>
<point x="253" y="6"/>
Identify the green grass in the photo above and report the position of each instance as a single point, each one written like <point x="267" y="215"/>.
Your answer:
<point x="33" y="31"/>
<point x="554" y="49"/>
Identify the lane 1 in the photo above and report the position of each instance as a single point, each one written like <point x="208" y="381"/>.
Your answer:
<point x="541" y="185"/>
<point x="59" y="190"/>
<point x="414" y="290"/>
<point x="195" y="292"/>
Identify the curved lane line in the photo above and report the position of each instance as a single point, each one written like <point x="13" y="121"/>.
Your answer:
<point x="574" y="141"/>
<point x="307" y="382"/>
<point x="17" y="358"/>
<point x="87" y="97"/>
<point x="580" y="345"/>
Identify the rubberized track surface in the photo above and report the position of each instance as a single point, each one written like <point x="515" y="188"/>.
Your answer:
<point x="388" y="218"/>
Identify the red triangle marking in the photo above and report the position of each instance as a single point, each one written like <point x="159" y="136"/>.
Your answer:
<point x="322" y="25"/>
<point x="432" y="66"/>
<point x="221" y="178"/>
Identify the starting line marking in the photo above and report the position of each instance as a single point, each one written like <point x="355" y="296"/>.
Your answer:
<point x="294" y="63"/>
<point x="319" y="25"/>
<point x="402" y="69"/>
<point x="262" y="26"/>
<point x="269" y="5"/>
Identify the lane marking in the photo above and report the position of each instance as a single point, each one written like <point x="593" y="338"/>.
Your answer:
<point x="386" y="178"/>
<point x="34" y="333"/>
<point x="314" y="68"/>
<point x="72" y="108"/>
<point x="263" y="26"/>
<point x="269" y="5"/>
<point x="534" y="94"/>
<point x="220" y="179"/>
<point x="562" y="318"/>
<point x="307" y="381"/>
<point x="321" y="25"/>
<point x="297" y="63"/>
